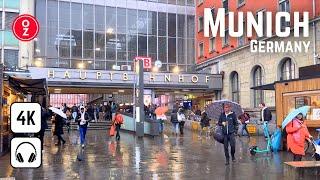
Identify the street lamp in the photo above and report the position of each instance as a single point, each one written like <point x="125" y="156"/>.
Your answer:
<point x="176" y="70"/>
<point x="155" y="69"/>
<point x="81" y="65"/>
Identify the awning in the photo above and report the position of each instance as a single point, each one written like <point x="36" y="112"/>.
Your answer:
<point x="29" y="86"/>
<point x="264" y="87"/>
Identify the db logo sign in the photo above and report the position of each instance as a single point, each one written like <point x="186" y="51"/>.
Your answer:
<point x="25" y="27"/>
<point x="146" y="62"/>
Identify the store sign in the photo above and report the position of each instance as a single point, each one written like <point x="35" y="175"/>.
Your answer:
<point x="146" y="62"/>
<point x="126" y="77"/>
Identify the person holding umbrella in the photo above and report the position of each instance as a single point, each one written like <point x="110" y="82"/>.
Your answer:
<point x="228" y="121"/>
<point x="160" y="115"/>
<point x="58" y="120"/>
<point x="297" y="132"/>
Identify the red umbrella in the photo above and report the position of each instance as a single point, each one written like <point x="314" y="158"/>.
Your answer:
<point x="161" y="110"/>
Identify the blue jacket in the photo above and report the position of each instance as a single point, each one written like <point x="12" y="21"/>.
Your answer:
<point x="232" y="123"/>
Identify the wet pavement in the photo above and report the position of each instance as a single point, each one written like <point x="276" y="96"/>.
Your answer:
<point x="167" y="157"/>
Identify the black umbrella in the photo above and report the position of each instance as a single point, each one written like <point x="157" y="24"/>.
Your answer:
<point x="215" y="109"/>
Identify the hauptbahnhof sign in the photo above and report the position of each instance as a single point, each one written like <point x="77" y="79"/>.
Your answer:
<point x="96" y="78"/>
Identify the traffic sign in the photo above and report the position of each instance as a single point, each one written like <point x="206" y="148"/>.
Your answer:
<point x="25" y="27"/>
<point x="25" y="117"/>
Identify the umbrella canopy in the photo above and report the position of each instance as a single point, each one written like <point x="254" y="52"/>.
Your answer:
<point x="215" y="109"/>
<point x="304" y="110"/>
<point x="161" y="110"/>
<point x="59" y="112"/>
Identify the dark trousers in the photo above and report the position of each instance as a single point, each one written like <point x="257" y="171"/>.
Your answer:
<point x="229" y="139"/>
<point x="40" y="135"/>
<point x="118" y="126"/>
<point x="297" y="157"/>
<point x="60" y="138"/>
<point x="181" y="126"/>
<point x="244" y="128"/>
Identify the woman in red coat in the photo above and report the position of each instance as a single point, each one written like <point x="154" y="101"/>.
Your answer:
<point x="297" y="134"/>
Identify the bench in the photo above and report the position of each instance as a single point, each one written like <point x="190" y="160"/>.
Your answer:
<point x="302" y="170"/>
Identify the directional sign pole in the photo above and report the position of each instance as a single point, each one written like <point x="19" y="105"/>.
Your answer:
<point x="139" y="100"/>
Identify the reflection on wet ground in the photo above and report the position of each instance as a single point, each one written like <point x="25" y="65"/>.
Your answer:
<point x="166" y="157"/>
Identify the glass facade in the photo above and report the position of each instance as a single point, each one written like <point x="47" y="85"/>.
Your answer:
<point x="9" y="45"/>
<point x="100" y="36"/>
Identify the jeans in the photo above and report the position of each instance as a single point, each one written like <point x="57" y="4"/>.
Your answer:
<point x="244" y="128"/>
<point x="175" y="128"/>
<point x="83" y="131"/>
<point x="161" y="126"/>
<point x="74" y="115"/>
<point x="229" y="139"/>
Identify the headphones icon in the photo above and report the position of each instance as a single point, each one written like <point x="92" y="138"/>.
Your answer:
<point x="32" y="157"/>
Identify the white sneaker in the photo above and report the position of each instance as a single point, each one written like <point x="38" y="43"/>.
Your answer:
<point x="82" y="145"/>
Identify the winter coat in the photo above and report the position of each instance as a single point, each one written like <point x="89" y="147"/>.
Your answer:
<point x="297" y="133"/>
<point x="205" y="122"/>
<point x="86" y="117"/>
<point x="59" y="122"/>
<point x="232" y="123"/>
<point x="267" y="115"/>
<point x="174" y="117"/>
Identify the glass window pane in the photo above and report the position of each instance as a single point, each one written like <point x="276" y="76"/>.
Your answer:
<point x="122" y="21"/>
<point x="182" y="51"/>
<point x="181" y="2"/>
<point x="171" y="1"/>
<point x="12" y="4"/>
<point x="191" y="26"/>
<point x="190" y="51"/>
<point x="172" y="25"/>
<point x="181" y="26"/>
<point x="10" y="39"/>
<point x="99" y="18"/>
<point x="132" y="47"/>
<point x="99" y="45"/>
<point x="152" y="47"/>
<point x="88" y="44"/>
<point x="63" y="41"/>
<point x="76" y="43"/>
<point x="40" y="13"/>
<point x="190" y="2"/>
<point x="121" y="47"/>
<point x="172" y="56"/>
<point x="142" y="46"/>
<point x="132" y="21"/>
<point x="111" y="20"/>
<point x="100" y="65"/>
<point x="152" y="23"/>
<point x="162" y="49"/>
<point x="142" y="22"/>
<point x="52" y="29"/>
<point x="162" y="24"/>
<point x="11" y="58"/>
<point x="88" y="21"/>
<point x="10" y="17"/>
<point x="111" y="46"/>
<point x="64" y="14"/>
<point x="76" y="16"/>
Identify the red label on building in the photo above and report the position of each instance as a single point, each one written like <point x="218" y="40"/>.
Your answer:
<point x="25" y="27"/>
<point x="146" y="62"/>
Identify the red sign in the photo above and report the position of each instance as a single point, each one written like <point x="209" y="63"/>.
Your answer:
<point x="146" y="62"/>
<point x="25" y="27"/>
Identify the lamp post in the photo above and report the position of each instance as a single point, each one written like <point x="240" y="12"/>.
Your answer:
<point x="139" y="92"/>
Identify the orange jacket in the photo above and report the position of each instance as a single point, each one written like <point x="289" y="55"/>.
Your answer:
<point x="297" y="134"/>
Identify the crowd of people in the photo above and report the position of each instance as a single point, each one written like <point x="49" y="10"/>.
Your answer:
<point x="83" y="115"/>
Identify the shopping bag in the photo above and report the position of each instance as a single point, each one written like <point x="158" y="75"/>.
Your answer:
<point x="112" y="130"/>
<point x="276" y="140"/>
<point x="218" y="134"/>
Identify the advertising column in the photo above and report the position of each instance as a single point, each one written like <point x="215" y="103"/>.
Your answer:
<point x="1" y="109"/>
<point x="139" y="99"/>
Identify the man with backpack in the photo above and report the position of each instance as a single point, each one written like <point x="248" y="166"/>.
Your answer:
<point x="266" y="115"/>
<point x="245" y="119"/>
<point x="117" y="121"/>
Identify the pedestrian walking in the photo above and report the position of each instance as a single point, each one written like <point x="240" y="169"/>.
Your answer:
<point x="244" y="119"/>
<point x="266" y="115"/>
<point x="204" y="124"/>
<point x="75" y="111"/>
<point x="68" y="120"/>
<point x="58" y="130"/>
<point x="175" y="122"/>
<point x="117" y="121"/>
<point x="83" y="120"/>
<point x="44" y="126"/>
<point x="297" y="133"/>
<point x="229" y="123"/>
<point x="181" y="118"/>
